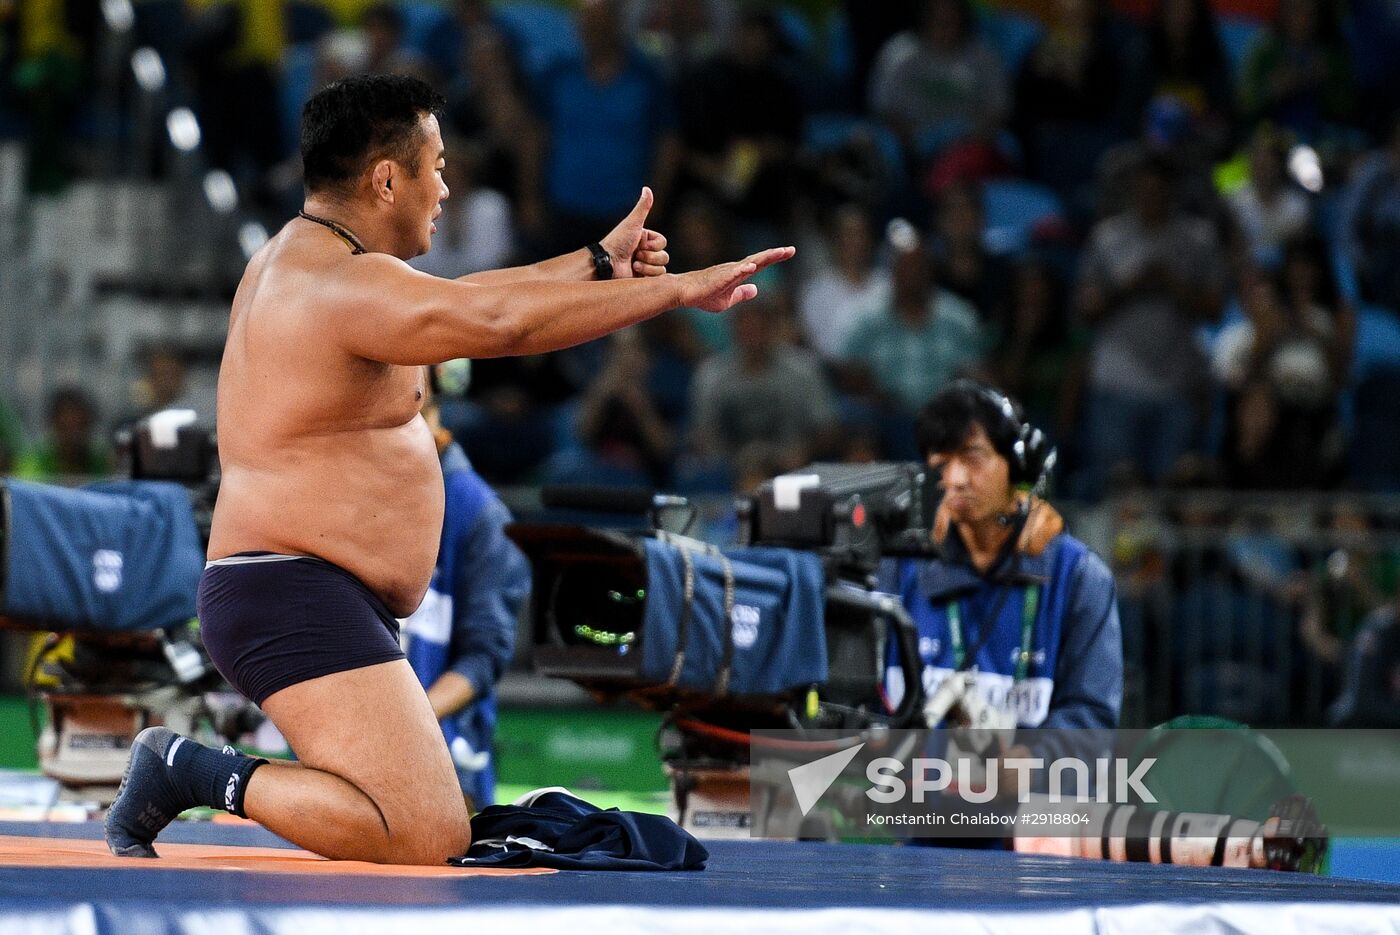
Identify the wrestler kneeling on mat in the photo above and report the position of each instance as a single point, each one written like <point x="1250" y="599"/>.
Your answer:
<point x="331" y="502"/>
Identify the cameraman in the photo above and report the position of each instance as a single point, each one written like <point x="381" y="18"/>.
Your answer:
<point x="461" y="638"/>
<point x="1022" y="606"/>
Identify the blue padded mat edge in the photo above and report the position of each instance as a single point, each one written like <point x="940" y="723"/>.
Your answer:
<point x="741" y="875"/>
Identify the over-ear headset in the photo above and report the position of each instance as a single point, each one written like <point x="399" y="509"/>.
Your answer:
<point x="1032" y="457"/>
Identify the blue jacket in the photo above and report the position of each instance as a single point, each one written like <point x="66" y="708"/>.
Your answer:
<point x="466" y="622"/>
<point x="1074" y="675"/>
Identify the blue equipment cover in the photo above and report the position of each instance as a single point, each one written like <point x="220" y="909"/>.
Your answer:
<point x="123" y="555"/>
<point x="775" y="639"/>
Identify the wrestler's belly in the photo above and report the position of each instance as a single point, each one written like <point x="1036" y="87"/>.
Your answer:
<point x="370" y="501"/>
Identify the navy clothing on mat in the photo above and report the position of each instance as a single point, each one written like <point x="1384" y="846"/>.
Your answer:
<point x="556" y="829"/>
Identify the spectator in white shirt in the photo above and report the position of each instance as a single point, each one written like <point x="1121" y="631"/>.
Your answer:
<point x="1267" y="210"/>
<point x="846" y="288"/>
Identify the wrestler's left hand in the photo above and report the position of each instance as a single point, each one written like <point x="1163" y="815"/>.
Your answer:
<point x="635" y="250"/>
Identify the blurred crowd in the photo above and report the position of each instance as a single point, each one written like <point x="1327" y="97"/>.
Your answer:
<point x="1170" y="227"/>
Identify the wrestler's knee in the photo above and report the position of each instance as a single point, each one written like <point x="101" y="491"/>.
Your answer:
<point x="431" y="832"/>
<point x="431" y="846"/>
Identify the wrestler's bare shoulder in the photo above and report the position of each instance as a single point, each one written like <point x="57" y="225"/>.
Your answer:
<point x="303" y="278"/>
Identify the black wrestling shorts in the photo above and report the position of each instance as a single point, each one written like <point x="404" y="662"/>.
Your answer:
<point x="270" y="621"/>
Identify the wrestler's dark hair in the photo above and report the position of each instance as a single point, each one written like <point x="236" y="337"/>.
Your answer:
<point x="355" y="121"/>
<point x="946" y="420"/>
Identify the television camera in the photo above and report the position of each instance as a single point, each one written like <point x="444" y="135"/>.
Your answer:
<point x="107" y="574"/>
<point x="785" y="631"/>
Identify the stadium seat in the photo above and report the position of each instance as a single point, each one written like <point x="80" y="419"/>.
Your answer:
<point x="828" y="132"/>
<point x="298" y="75"/>
<point x="1012" y="35"/>
<point x="1014" y="209"/>
<point x="307" y="22"/>
<point x="823" y="83"/>
<point x="840" y="49"/>
<point x="583" y="466"/>
<point x="824" y="133"/>
<point x="1377" y="340"/>
<point x="797" y="30"/>
<point x="1348" y="284"/>
<point x="1237" y="36"/>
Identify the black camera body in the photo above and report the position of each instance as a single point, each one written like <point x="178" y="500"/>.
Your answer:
<point x="186" y="454"/>
<point x="853" y="514"/>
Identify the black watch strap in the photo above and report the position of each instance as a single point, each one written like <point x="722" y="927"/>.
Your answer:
<point x="602" y="261"/>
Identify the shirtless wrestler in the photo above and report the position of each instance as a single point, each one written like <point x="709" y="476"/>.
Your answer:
<point x="328" y="517"/>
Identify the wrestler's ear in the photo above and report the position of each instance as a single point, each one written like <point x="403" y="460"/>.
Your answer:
<point x="382" y="180"/>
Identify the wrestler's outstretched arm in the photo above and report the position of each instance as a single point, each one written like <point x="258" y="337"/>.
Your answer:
<point x="635" y="251"/>
<point x="380" y="308"/>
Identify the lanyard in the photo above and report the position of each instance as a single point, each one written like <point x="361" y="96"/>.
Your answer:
<point x="1029" y="605"/>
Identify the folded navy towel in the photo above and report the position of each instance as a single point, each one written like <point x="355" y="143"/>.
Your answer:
<point x="552" y="828"/>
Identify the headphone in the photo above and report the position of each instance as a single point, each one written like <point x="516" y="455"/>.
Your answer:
<point x="1032" y="456"/>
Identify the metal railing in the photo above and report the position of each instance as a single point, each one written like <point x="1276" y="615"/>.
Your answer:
<point x="1245" y="606"/>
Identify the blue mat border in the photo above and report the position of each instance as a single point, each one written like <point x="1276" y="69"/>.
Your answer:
<point x="741" y="875"/>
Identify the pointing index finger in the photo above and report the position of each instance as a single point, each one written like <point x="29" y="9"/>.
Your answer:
<point x="766" y="258"/>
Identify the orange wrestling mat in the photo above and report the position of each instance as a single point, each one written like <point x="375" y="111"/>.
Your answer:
<point x="71" y="853"/>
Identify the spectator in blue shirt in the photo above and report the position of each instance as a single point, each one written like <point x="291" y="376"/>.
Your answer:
<point x="609" y="128"/>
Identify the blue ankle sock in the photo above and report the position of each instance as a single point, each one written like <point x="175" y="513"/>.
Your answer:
<point x="166" y="774"/>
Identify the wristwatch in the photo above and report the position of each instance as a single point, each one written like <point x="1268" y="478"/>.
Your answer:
<point x="602" y="261"/>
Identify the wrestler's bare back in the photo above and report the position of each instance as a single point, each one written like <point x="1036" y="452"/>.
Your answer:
<point x="322" y="452"/>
